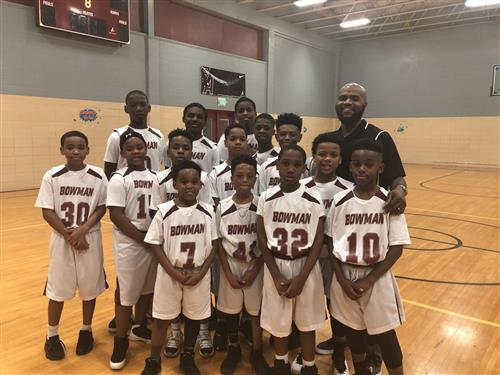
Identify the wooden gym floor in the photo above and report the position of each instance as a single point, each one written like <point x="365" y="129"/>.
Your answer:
<point x="449" y="280"/>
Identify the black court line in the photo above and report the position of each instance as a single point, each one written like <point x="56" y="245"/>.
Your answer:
<point x="452" y="218"/>
<point x="422" y="184"/>
<point x="458" y="242"/>
<point x="466" y="283"/>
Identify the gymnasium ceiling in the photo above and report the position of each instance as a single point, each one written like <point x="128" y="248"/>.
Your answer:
<point x="387" y="16"/>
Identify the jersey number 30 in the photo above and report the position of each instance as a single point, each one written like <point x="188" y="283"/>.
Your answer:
<point x="82" y="213"/>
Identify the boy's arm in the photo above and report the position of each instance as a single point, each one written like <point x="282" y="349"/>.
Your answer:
<point x="166" y="264"/>
<point x="297" y="283"/>
<point x="280" y="282"/>
<point x="380" y="268"/>
<point x="346" y="285"/>
<point x="78" y="234"/>
<point x="195" y="277"/>
<point x="118" y="217"/>
<point x="234" y="281"/>
<point x="251" y="274"/>
<point x="55" y="222"/>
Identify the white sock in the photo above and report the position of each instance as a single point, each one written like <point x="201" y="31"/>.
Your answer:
<point x="86" y="327"/>
<point x="52" y="331"/>
<point x="307" y="363"/>
<point x="203" y="327"/>
<point x="176" y="328"/>
<point x="283" y="357"/>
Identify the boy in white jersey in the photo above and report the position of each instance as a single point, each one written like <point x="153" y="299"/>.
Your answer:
<point x="366" y="243"/>
<point x="129" y="194"/>
<point x="219" y="179"/>
<point x="183" y="238"/>
<point x="205" y="152"/>
<point x="137" y="106"/>
<point x="241" y="261"/>
<point x="179" y="148"/>
<point x="326" y="151"/>
<point x="72" y="198"/>
<point x="264" y="131"/>
<point x="244" y="113"/>
<point x="290" y="235"/>
<point x="288" y="132"/>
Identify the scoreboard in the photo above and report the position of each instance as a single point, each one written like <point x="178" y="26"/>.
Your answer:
<point x="103" y="19"/>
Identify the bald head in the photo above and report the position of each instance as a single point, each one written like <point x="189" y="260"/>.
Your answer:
<point x="351" y="104"/>
<point x="354" y="85"/>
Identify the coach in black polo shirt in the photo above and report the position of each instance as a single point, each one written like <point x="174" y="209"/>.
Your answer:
<point x="350" y="106"/>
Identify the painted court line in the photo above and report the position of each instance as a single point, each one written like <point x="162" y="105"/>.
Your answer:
<point x="25" y="227"/>
<point x="452" y="313"/>
<point x="453" y="213"/>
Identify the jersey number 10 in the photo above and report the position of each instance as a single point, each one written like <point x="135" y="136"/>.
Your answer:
<point x="371" y="245"/>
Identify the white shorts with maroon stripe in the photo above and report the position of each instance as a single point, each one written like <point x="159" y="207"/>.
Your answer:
<point x="379" y="309"/>
<point x="230" y="300"/>
<point x="307" y="310"/>
<point x="70" y="269"/>
<point x="135" y="269"/>
<point x="171" y="298"/>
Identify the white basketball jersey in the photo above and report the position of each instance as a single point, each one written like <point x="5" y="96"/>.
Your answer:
<point x="290" y="219"/>
<point x="73" y="195"/>
<point x="205" y="154"/>
<point x="269" y="175"/>
<point x="164" y="191"/>
<point x="237" y="225"/>
<point x="186" y="233"/>
<point x="361" y="231"/>
<point x="219" y="182"/>
<point x="262" y="157"/>
<point x="132" y="189"/>
<point x="155" y="142"/>
<point x="327" y="189"/>
<point x="222" y="149"/>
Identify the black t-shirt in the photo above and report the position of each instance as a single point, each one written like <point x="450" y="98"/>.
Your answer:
<point x="393" y="165"/>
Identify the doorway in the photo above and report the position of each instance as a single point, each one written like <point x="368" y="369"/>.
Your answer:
<point x="217" y="122"/>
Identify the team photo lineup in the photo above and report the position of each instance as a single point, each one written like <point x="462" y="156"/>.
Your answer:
<point x="241" y="239"/>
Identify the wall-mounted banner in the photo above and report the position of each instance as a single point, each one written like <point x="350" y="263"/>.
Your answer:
<point x="221" y="82"/>
<point x="87" y="116"/>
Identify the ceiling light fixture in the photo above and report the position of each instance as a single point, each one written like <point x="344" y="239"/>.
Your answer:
<point x="305" y="3"/>
<point x="481" y="3"/>
<point x="355" y="23"/>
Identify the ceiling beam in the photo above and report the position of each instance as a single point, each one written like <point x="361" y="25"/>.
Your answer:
<point x="399" y="22"/>
<point x="430" y="26"/>
<point x="337" y="4"/>
<point x="357" y="12"/>
<point x="390" y="15"/>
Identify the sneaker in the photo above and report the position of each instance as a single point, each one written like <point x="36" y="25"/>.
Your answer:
<point x="220" y="337"/>
<point x="231" y="361"/>
<point x="309" y="370"/>
<point x="258" y="363"/>
<point x="206" y="346"/>
<point x="374" y="363"/>
<point x="54" y="348"/>
<point x="119" y="356"/>
<point x="280" y="367"/>
<point x="85" y="342"/>
<point x="152" y="366"/>
<point x="112" y="326"/>
<point x="187" y="364"/>
<point x="325" y="347"/>
<point x="296" y="366"/>
<point x="140" y="332"/>
<point x="173" y="347"/>
<point x="340" y="368"/>
<point x="246" y="331"/>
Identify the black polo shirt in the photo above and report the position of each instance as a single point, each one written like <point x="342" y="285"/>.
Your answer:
<point x="393" y="165"/>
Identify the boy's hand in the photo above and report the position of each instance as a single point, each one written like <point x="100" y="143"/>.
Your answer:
<point x="295" y="287"/>
<point x="249" y="276"/>
<point x="192" y="278"/>
<point x="362" y="285"/>
<point x="350" y="289"/>
<point x="82" y="245"/>
<point x="146" y="246"/>
<point x="180" y="276"/>
<point x="76" y="236"/>
<point x="234" y="281"/>
<point x="281" y="283"/>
